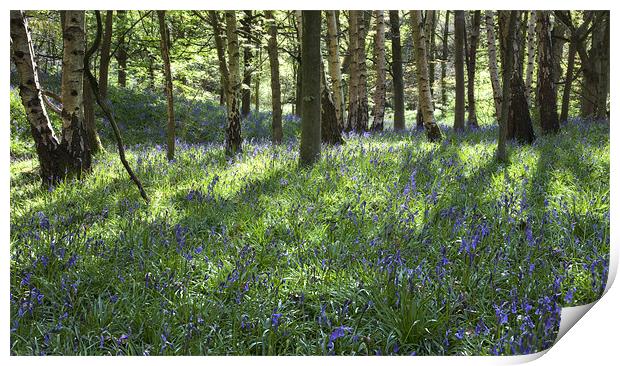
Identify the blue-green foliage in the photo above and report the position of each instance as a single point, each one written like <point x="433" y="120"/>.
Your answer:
<point x="388" y="245"/>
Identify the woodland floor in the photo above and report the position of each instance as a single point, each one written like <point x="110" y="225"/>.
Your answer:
<point x="389" y="245"/>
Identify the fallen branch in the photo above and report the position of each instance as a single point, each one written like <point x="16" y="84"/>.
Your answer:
<point x="106" y="109"/>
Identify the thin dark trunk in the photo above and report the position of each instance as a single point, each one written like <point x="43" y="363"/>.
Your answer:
<point x="444" y="62"/>
<point x="276" y="102"/>
<point x="568" y="82"/>
<point x="397" y="72"/>
<point x="459" y="105"/>
<point x="472" y="119"/>
<point x="121" y="52"/>
<point x="104" y="62"/>
<point x="546" y="95"/>
<point x="246" y="25"/>
<point x="165" y="55"/>
<point x="310" y="150"/>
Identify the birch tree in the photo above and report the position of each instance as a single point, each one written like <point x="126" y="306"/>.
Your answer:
<point x="333" y="57"/>
<point x="531" y="53"/>
<point x="493" y="73"/>
<point x="397" y="72"/>
<point x="165" y="55"/>
<point x="379" y="96"/>
<point x="424" y="90"/>
<point x="233" y="130"/>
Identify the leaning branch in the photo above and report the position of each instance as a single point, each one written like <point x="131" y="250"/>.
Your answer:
<point x="106" y="109"/>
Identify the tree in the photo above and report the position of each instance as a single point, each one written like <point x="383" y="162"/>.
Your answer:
<point x="546" y="95"/>
<point x="92" y="137"/>
<point x="424" y="90"/>
<point x="333" y="56"/>
<point x="429" y="31"/>
<point x="519" y="123"/>
<point x="233" y="130"/>
<point x="47" y="145"/>
<point x="310" y="149"/>
<point x="459" y="35"/>
<point x="531" y="52"/>
<point x="330" y="131"/>
<point x="497" y="91"/>
<point x="276" y="102"/>
<point x="74" y="142"/>
<point x="121" y="52"/>
<point x="379" y="97"/>
<point x="165" y="55"/>
<point x="508" y="20"/>
<point x="104" y="61"/>
<point x="474" y="36"/>
<point x="358" y="97"/>
<point x="214" y="20"/>
<point x="397" y="72"/>
<point x="444" y="61"/>
<point x="568" y="82"/>
<point x="246" y="26"/>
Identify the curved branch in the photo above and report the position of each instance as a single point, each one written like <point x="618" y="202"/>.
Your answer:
<point x="106" y="109"/>
<point x="53" y="101"/>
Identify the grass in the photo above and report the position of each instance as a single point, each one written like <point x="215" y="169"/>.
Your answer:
<point x="388" y="245"/>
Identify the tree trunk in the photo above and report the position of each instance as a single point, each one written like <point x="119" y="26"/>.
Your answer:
<point x="47" y="145"/>
<point x="397" y="72"/>
<point x="121" y="53"/>
<point x="429" y="30"/>
<point x="90" y="127"/>
<point x="353" y="71"/>
<point x="362" y="98"/>
<point x="558" y="39"/>
<point x="474" y="36"/>
<point x="333" y="56"/>
<point x="424" y="89"/>
<point x="246" y="24"/>
<point x="531" y="52"/>
<point x="274" y="64"/>
<point x="519" y="125"/>
<point x="233" y="131"/>
<point x="444" y="62"/>
<point x="298" y="93"/>
<point x="221" y="53"/>
<point x="568" y="82"/>
<point x="497" y="91"/>
<point x="547" y="97"/>
<point x="165" y="55"/>
<point x="379" y="97"/>
<point x="74" y="139"/>
<point x="507" y="39"/>
<point x="104" y="62"/>
<point x="459" y="104"/>
<point x="330" y="132"/>
<point x="310" y="149"/>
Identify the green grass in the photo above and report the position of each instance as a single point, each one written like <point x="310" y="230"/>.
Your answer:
<point x="389" y="245"/>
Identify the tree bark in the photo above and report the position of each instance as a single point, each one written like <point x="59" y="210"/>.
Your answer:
<point x="568" y="82"/>
<point x="310" y="149"/>
<point x="497" y="91"/>
<point x="531" y="52"/>
<point x="274" y="64"/>
<point x="353" y="71"/>
<point x="298" y="94"/>
<point x="379" y="97"/>
<point x="429" y="31"/>
<point x="362" y="98"/>
<point x="104" y="61"/>
<point x="74" y="139"/>
<point x="246" y="24"/>
<point x="47" y="145"/>
<point x="546" y="95"/>
<point x="165" y="55"/>
<point x="474" y="36"/>
<point x="507" y="32"/>
<point x="233" y="131"/>
<point x="334" y="66"/>
<point x="444" y="62"/>
<point x="121" y="52"/>
<point x="214" y="19"/>
<point x="459" y="104"/>
<point x="397" y="72"/>
<point x="92" y="137"/>
<point x="330" y="132"/>
<point x="424" y="89"/>
<point x="519" y="124"/>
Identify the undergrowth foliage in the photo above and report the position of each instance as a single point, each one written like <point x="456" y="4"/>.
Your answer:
<point x="388" y="245"/>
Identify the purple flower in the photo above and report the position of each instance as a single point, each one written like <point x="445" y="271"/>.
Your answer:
<point x="275" y="320"/>
<point x="339" y="332"/>
<point x="460" y="333"/>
